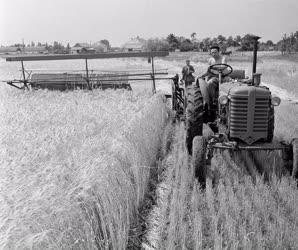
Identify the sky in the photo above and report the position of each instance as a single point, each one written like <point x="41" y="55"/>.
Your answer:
<point x="119" y="20"/>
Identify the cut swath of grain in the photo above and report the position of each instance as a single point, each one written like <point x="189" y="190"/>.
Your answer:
<point x="74" y="166"/>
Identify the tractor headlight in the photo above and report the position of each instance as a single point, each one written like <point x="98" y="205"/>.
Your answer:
<point x="223" y="100"/>
<point x="275" y="101"/>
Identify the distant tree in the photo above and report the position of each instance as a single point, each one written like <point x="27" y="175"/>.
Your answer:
<point x="214" y="41"/>
<point x="283" y="44"/>
<point x="58" y="48"/>
<point x="32" y="44"/>
<point x="157" y="45"/>
<point x="201" y="46"/>
<point x="247" y="42"/>
<point x="221" y="39"/>
<point x="230" y="41"/>
<point x="206" y="43"/>
<point x="39" y="44"/>
<point x="238" y="40"/>
<point x="106" y="42"/>
<point x="67" y="50"/>
<point x="296" y="41"/>
<point x="193" y="36"/>
<point x="173" y="42"/>
<point x="293" y="42"/>
<point x="269" y="43"/>
<point x="55" y="45"/>
<point x="18" y="45"/>
<point x="288" y="44"/>
<point x="186" y="45"/>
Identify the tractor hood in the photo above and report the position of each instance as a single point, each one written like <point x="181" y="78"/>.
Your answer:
<point x="246" y="90"/>
<point x="238" y="88"/>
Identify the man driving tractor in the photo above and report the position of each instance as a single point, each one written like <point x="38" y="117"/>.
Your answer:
<point x="209" y="81"/>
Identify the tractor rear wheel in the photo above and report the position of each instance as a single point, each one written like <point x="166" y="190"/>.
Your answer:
<point x="199" y="159"/>
<point x="270" y="125"/>
<point x="295" y="158"/>
<point x="194" y="115"/>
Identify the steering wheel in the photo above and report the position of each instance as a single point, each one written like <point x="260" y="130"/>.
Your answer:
<point x="220" y="68"/>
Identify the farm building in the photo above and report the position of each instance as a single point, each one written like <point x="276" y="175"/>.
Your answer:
<point x="134" y="44"/>
<point x="100" y="47"/>
<point x="80" y="48"/>
<point x="88" y="48"/>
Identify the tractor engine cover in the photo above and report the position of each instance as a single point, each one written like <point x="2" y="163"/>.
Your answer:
<point x="248" y="113"/>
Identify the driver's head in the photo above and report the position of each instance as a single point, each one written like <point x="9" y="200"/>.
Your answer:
<point x="187" y="62"/>
<point x="214" y="51"/>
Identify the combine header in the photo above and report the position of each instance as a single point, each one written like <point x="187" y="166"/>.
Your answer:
<point x="85" y="79"/>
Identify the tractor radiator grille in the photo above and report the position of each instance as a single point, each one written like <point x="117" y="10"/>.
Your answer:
<point x="249" y="117"/>
<point x="261" y="115"/>
<point x="238" y="118"/>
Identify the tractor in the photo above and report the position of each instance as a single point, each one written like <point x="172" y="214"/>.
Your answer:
<point x="240" y="116"/>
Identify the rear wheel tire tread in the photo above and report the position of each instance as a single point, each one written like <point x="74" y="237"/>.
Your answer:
<point x="194" y="115"/>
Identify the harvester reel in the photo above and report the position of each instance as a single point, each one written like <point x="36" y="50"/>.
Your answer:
<point x="220" y="68"/>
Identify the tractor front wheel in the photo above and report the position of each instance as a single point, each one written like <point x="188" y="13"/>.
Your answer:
<point x="199" y="159"/>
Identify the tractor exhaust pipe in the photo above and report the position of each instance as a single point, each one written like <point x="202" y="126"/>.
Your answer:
<point x="256" y="78"/>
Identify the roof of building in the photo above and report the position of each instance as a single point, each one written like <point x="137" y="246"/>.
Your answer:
<point x="134" y="43"/>
<point x="99" y="44"/>
<point x="85" y="45"/>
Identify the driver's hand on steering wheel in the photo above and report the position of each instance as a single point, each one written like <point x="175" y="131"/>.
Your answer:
<point x="220" y="68"/>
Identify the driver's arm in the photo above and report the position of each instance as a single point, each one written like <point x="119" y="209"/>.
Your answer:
<point x="211" y="61"/>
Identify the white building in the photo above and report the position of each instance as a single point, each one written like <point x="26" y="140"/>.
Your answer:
<point x="134" y="44"/>
<point x="100" y="47"/>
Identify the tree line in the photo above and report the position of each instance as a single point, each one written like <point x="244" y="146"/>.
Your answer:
<point x="288" y="44"/>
